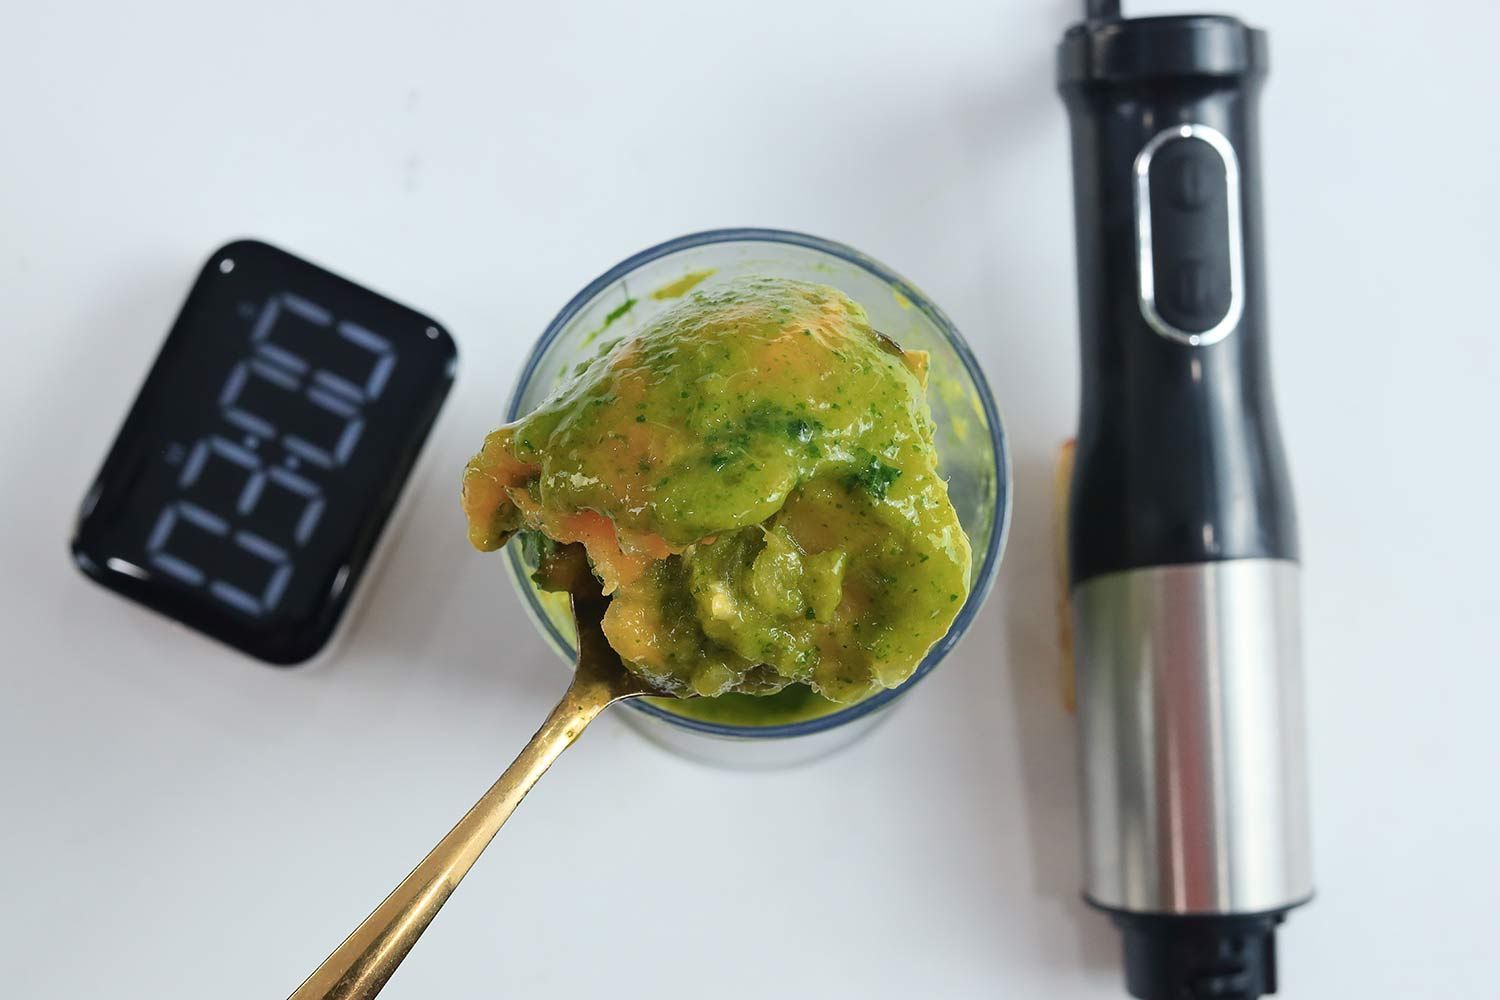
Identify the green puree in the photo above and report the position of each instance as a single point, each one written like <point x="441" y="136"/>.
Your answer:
<point x="754" y="477"/>
<point x="677" y="289"/>
<point x="793" y="703"/>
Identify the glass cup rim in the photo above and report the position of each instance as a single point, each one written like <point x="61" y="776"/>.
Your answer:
<point x="998" y="443"/>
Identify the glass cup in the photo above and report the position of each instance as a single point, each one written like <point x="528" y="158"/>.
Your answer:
<point x="796" y="724"/>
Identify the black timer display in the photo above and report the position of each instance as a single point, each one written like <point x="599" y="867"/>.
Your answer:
<point x="250" y="483"/>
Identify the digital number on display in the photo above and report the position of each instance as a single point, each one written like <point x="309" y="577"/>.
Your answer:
<point x="251" y="480"/>
<point x="303" y="388"/>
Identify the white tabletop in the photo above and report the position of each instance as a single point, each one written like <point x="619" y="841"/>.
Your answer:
<point x="179" y="821"/>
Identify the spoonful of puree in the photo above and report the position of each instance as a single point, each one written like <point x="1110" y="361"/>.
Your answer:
<point x="741" y="496"/>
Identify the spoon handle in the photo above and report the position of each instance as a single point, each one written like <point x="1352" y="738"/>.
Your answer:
<point x="358" y="968"/>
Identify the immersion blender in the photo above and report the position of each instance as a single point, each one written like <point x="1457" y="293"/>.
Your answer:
<point x="1182" y="538"/>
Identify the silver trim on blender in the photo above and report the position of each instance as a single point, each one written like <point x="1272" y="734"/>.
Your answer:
<point x="1192" y="738"/>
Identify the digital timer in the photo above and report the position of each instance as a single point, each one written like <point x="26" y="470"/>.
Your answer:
<point x="250" y="483"/>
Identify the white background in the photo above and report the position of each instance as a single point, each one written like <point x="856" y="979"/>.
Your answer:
<point x="177" y="822"/>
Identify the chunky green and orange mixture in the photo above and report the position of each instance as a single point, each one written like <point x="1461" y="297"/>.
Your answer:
<point x="753" y="476"/>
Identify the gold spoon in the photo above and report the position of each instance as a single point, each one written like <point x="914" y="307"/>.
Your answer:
<point x="358" y="968"/>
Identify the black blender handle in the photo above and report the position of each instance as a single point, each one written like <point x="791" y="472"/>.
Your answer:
<point x="1179" y="459"/>
<point x="1182" y="548"/>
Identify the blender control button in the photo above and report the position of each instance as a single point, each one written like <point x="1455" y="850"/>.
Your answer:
<point x="1188" y="233"/>
<point x="1193" y="288"/>
<point x="1191" y="183"/>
